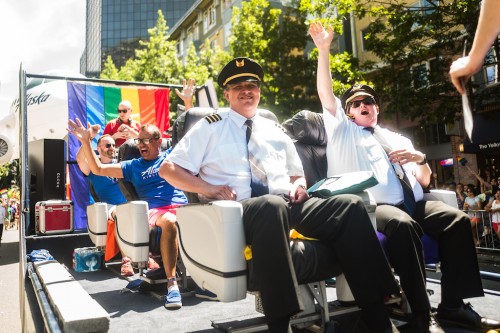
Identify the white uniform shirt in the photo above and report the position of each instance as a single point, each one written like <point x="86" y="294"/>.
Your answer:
<point x="218" y="152"/>
<point x="351" y="148"/>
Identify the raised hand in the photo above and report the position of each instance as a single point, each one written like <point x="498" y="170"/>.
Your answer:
<point x="79" y="131"/>
<point x="187" y="90"/>
<point x="322" y="38"/>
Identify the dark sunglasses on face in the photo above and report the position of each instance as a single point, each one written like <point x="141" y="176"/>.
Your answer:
<point x="122" y="111"/>
<point x="366" y="101"/>
<point x="243" y="86"/>
<point x="109" y="145"/>
<point x="144" y="141"/>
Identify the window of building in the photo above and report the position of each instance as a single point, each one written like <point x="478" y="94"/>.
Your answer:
<point x="209" y="18"/>
<point x="490" y="68"/>
<point x="189" y="36"/>
<point x="180" y="47"/>
<point x="196" y="32"/>
<point x="213" y="44"/>
<point x="419" y="76"/>
<point x="364" y="41"/>
<point x="425" y="7"/>
<point x="227" y="34"/>
<point x="427" y="135"/>
<point x="426" y="73"/>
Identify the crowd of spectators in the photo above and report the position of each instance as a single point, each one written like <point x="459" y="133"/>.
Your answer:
<point x="481" y="200"/>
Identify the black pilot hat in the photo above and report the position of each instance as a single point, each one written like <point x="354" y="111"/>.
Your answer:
<point x="358" y="90"/>
<point x="239" y="70"/>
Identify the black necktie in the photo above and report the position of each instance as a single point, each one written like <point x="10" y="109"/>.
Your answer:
<point x="259" y="178"/>
<point x="408" y="195"/>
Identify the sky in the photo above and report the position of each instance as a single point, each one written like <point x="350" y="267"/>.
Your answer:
<point x="43" y="35"/>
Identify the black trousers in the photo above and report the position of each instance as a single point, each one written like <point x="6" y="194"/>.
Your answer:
<point x="342" y="226"/>
<point x="452" y="230"/>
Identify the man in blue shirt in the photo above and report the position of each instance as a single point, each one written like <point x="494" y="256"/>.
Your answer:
<point x="162" y="198"/>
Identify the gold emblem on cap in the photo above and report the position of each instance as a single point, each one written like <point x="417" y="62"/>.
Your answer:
<point x="240" y="63"/>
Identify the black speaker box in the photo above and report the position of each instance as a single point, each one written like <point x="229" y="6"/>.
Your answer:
<point x="47" y="173"/>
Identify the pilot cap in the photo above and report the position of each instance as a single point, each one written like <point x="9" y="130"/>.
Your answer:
<point x="358" y="90"/>
<point x="239" y="70"/>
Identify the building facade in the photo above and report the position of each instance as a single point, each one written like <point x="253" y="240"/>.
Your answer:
<point x="115" y="27"/>
<point x="207" y="20"/>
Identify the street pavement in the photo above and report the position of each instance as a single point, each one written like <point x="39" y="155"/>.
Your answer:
<point x="9" y="282"/>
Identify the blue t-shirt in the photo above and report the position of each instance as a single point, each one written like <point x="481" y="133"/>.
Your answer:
<point x="107" y="189"/>
<point x="150" y="187"/>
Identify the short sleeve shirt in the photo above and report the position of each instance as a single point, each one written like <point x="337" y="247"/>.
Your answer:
<point x="107" y="189"/>
<point x="113" y="125"/>
<point x="351" y="148"/>
<point x="218" y="152"/>
<point x="150" y="187"/>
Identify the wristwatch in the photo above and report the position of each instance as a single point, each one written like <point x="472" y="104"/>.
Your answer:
<point x="424" y="161"/>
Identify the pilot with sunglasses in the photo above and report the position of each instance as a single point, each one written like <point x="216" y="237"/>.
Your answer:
<point x="357" y="143"/>
<point x="123" y="127"/>
<point x="105" y="187"/>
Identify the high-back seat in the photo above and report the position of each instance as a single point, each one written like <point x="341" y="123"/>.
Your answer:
<point x="212" y="242"/>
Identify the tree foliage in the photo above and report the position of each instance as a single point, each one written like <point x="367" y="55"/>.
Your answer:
<point x="9" y="174"/>
<point x="157" y="61"/>
<point x="416" y="44"/>
<point x="278" y="40"/>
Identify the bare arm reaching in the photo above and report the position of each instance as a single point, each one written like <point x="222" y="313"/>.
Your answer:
<point x="488" y="28"/>
<point x="323" y="39"/>
<point x="185" y="181"/>
<point x="84" y="135"/>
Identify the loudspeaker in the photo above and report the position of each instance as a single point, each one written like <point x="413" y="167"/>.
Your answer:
<point x="47" y="173"/>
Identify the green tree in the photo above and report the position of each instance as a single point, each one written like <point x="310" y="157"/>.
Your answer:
<point x="416" y="44"/>
<point x="9" y="174"/>
<point x="277" y="39"/>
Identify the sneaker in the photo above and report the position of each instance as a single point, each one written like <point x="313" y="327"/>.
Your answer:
<point x="205" y="293"/>
<point x="126" y="269"/>
<point x="173" y="299"/>
<point x="465" y="317"/>
<point x="152" y="264"/>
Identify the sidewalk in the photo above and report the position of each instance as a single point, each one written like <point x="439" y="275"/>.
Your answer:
<point x="9" y="282"/>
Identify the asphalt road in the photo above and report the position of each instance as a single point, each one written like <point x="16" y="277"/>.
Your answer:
<point x="9" y="282"/>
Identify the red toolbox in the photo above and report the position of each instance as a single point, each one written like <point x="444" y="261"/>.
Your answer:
<point x="54" y="217"/>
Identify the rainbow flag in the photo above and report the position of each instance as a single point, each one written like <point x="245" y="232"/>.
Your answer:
<point x="98" y="104"/>
<point x="462" y="160"/>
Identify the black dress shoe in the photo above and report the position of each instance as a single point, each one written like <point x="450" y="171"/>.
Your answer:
<point x="465" y="317"/>
<point x="425" y="323"/>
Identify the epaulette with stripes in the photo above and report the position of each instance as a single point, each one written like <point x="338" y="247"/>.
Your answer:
<point x="213" y="118"/>
<point x="280" y="127"/>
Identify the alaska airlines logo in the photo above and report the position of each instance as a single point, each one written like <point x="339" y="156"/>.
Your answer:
<point x="31" y="100"/>
<point x="150" y="172"/>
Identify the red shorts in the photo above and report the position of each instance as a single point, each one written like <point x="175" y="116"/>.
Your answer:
<point x="495" y="225"/>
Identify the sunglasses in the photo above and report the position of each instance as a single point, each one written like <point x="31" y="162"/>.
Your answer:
<point x="144" y="141"/>
<point x="244" y="86"/>
<point x="122" y="111"/>
<point x="366" y="101"/>
<point x="109" y="145"/>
